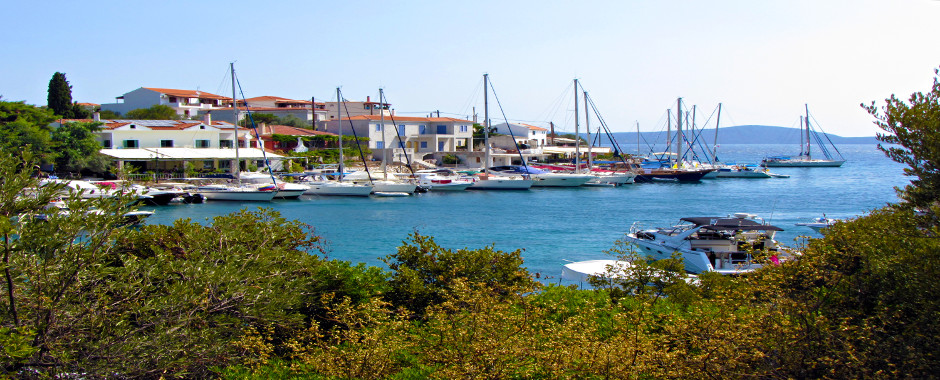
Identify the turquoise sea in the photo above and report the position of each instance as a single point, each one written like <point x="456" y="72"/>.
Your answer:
<point x="556" y="225"/>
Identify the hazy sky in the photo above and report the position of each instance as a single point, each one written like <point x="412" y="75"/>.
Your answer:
<point x="762" y="59"/>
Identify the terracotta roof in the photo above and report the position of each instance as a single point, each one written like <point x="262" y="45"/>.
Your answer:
<point x="292" y="131"/>
<point x="187" y="93"/>
<point x="406" y="118"/>
<point x="532" y="127"/>
<point x="88" y="104"/>
<point x="276" y="99"/>
<point x="154" y="124"/>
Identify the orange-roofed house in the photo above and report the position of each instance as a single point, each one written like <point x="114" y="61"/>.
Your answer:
<point x="187" y="103"/>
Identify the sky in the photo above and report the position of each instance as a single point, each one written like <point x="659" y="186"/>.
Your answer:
<point x="762" y="60"/>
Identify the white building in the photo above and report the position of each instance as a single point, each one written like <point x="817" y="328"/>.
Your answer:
<point x="354" y="108"/>
<point x="530" y="136"/>
<point x="165" y="145"/>
<point x="187" y="103"/>
<point x="421" y="138"/>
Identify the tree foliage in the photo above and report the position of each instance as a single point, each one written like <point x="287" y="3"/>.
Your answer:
<point x="59" y="98"/>
<point x="155" y="112"/>
<point x="77" y="149"/>
<point x="912" y="129"/>
<point x="425" y="273"/>
<point x="26" y="128"/>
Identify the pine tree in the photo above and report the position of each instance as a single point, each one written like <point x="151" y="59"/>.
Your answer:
<point x="59" y="99"/>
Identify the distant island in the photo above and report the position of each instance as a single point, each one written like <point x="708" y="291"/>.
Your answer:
<point x="741" y="134"/>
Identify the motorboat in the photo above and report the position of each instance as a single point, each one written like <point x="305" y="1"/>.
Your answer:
<point x="442" y="180"/>
<point x="611" y="178"/>
<point x="543" y="178"/>
<point x="248" y="192"/>
<point x="285" y="190"/>
<point x="819" y="224"/>
<point x="721" y="244"/>
<point x="737" y="171"/>
<point x="584" y="271"/>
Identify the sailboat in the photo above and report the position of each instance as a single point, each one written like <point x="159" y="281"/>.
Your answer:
<point x="487" y="180"/>
<point x="678" y="172"/>
<point x="805" y="159"/>
<point x="382" y="185"/>
<point x="597" y="177"/>
<point x="320" y="185"/>
<point x="238" y="192"/>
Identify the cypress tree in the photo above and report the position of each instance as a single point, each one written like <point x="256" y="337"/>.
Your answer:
<point x="59" y="99"/>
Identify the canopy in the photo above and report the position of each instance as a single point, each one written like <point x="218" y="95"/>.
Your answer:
<point x="144" y="154"/>
<point x="731" y="224"/>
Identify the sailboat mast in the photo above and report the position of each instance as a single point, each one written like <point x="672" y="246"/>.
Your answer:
<point x="577" y="135"/>
<point x="339" y="118"/>
<point x="808" y="156"/>
<point x="486" y="122"/>
<point x="637" y="138"/>
<point x="382" y="135"/>
<point x="587" y="127"/>
<point x="715" y="146"/>
<point x="236" y="170"/>
<point x="678" y="131"/>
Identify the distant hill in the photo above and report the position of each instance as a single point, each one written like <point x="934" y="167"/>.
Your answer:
<point x="741" y="134"/>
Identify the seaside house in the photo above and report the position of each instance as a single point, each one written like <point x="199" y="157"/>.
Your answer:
<point x="423" y="140"/>
<point x="166" y="145"/>
<point x="355" y="108"/>
<point x="187" y="103"/>
<point x="300" y="141"/>
<point x="528" y="136"/>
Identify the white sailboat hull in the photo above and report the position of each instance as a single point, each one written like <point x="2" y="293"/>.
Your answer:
<point x="501" y="184"/>
<point x="803" y="163"/>
<point x="393" y="187"/>
<point x="560" y="179"/>
<point x="338" y="189"/>
<point x="238" y="194"/>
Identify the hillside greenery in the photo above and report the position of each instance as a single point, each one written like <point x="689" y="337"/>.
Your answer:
<point x="250" y="295"/>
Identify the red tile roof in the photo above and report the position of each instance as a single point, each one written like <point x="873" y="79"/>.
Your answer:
<point x="292" y="131"/>
<point x="187" y="93"/>
<point x="406" y="118"/>
<point x="532" y="127"/>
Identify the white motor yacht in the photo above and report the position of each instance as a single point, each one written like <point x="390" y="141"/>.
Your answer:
<point x="721" y="244"/>
<point x="442" y="180"/>
<point x="223" y="192"/>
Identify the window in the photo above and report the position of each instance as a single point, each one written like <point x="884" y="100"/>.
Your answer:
<point x="207" y="165"/>
<point x="225" y="143"/>
<point x="378" y="127"/>
<point x="172" y="99"/>
<point x="106" y="144"/>
<point x="423" y="129"/>
<point x="463" y="128"/>
<point x="440" y="146"/>
<point x="424" y="145"/>
<point x="133" y="126"/>
<point x="166" y="143"/>
<point x="441" y="129"/>
<point x="401" y="129"/>
<point x="380" y="145"/>
<point x="202" y="127"/>
<point x="130" y="144"/>
<point x="202" y="143"/>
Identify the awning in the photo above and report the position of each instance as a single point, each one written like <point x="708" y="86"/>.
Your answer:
<point x="146" y="154"/>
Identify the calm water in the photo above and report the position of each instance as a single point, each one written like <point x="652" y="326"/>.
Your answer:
<point x="557" y="225"/>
